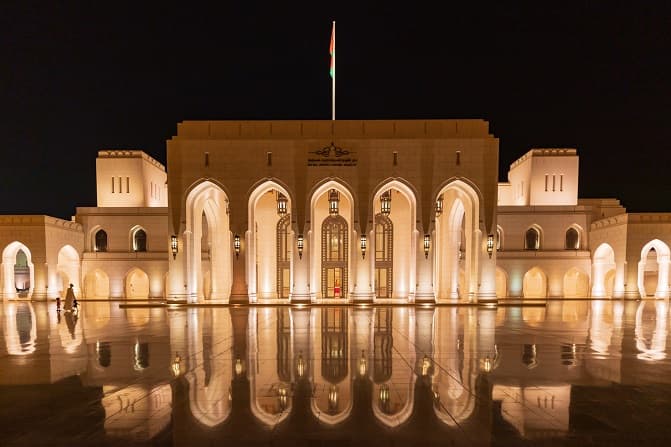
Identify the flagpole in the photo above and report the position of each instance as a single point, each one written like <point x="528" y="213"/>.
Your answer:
<point x="333" y="77"/>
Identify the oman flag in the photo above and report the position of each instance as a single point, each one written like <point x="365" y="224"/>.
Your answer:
<point x="332" y="52"/>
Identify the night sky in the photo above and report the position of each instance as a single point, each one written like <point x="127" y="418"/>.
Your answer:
<point x="75" y="79"/>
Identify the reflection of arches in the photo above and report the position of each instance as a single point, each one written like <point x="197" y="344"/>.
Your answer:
<point x="137" y="284"/>
<point x="652" y="347"/>
<point x="501" y="283"/>
<point x="576" y="284"/>
<point x="209" y="200"/>
<point x="97" y="284"/>
<point x="334" y="257"/>
<point x="20" y="328"/>
<point x="26" y="274"/>
<point x="603" y="271"/>
<point x="68" y="268"/>
<point x="534" y="284"/>
<point x="654" y="265"/>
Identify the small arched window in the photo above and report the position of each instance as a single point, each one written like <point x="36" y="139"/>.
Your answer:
<point x="100" y="241"/>
<point x="140" y="240"/>
<point x="572" y="239"/>
<point x="532" y="239"/>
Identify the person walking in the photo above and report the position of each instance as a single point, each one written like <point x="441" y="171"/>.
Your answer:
<point x="69" y="299"/>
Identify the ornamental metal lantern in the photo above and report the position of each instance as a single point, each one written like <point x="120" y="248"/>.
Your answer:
<point x="363" y="246"/>
<point x="299" y="243"/>
<point x="334" y="201"/>
<point x="439" y="206"/>
<point x="236" y="245"/>
<point x="281" y="204"/>
<point x="385" y="203"/>
<point x="427" y="245"/>
<point x="490" y="245"/>
<point x="173" y="246"/>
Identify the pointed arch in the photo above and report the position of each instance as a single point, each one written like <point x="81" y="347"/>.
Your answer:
<point x="10" y="274"/>
<point x="603" y="271"/>
<point x="137" y="284"/>
<point x="262" y="239"/>
<point x="534" y="284"/>
<point x="68" y="269"/>
<point x="97" y="284"/>
<point x="653" y="269"/>
<point x="209" y="199"/>
<point x="576" y="283"/>
<point x="501" y="283"/>
<point x="533" y="237"/>
<point x="137" y="237"/>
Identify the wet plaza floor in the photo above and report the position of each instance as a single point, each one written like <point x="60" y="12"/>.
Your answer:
<point x="575" y="372"/>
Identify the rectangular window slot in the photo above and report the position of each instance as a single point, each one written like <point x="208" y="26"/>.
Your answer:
<point x="128" y="185"/>
<point x="395" y="158"/>
<point x="546" y="182"/>
<point x="458" y="158"/>
<point x="112" y="185"/>
<point x="561" y="182"/>
<point x="207" y="159"/>
<point x="120" y="190"/>
<point x="554" y="180"/>
<point x="269" y="158"/>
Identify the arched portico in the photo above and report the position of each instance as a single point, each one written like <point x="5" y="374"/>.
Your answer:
<point x="399" y="251"/>
<point x="654" y="261"/>
<point x="207" y="227"/>
<point x="457" y="241"/>
<point x="603" y="271"/>
<point x="576" y="283"/>
<point x="10" y="271"/>
<point x="535" y="283"/>
<point x="96" y="284"/>
<point x="68" y="271"/>
<point x="326" y="265"/>
<point x="136" y="284"/>
<point x="269" y="248"/>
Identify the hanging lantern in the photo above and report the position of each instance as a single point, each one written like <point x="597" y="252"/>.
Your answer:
<point x="173" y="246"/>
<point x="281" y="204"/>
<point x="385" y="203"/>
<point x="334" y="200"/>
<point x="363" y="246"/>
<point x="236" y="245"/>
<point x="299" y="243"/>
<point x="439" y="205"/>
<point x="427" y="245"/>
<point x="490" y="245"/>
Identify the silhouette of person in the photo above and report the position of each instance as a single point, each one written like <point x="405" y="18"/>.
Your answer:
<point x="69" y="298"/>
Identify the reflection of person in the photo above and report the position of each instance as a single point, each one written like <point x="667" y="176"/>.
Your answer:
<point x="58" y="304"/>
<point x="69" y="298"/>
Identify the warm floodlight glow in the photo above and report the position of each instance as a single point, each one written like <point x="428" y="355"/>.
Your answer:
<point x="385" y="203"/>
<point x="490" y="245"/>
<point x="238" y="367"/>
<point x="281" y="204"/>
<point x="173" y="246"/>
<point x="299" y="243"/>
<point x="236" y="245"/>
<point x="427" y="245"/>
<point x="363" y="246"/>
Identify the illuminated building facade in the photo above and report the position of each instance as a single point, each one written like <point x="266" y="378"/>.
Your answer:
<point x="406" y="211"/>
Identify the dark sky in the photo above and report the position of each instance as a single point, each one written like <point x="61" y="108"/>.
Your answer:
<point x="80" y="77"/>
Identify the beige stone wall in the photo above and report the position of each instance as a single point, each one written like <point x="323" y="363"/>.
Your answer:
<point x="130" y="178"/>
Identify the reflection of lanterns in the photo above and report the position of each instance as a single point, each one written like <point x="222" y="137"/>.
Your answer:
<point x="175" y="367"/>
<point x="238" y="367"/>
<point x="436" y="396"/>
<point x="334" y="199"/>
<point x="300" y="365"/>
<point x="299" y="243"/>
<point x="384" y="398"/>
<point x="486" y="364"/>
<point x="236" y="245"/>
<point x="333" y="398"/>
<point x="426" y="364"/>
<point x="282" y="397"/>
<point x="363" y="246"/>
<point x="362" y="364"/>
<point x="173" y="246"/>
<point x="439" y="206"/>
<point x="281" y="204"/>
<point x="427" y="245"/>
<point x="385" y="203"/>
<point x="490" y="245"/>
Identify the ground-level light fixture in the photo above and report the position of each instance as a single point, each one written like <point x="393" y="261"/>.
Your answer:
<point x="173" y="246"/>
<point x="334" y="201"/>
<point x="490" y="245"/>
<point x="385" y="203"/>
<point x="281" y="204"/>
<point x="299" y="244"/>
<point x="236" y="245"/>
<point x="427" y="245"/>
<point x="363" y="246"/>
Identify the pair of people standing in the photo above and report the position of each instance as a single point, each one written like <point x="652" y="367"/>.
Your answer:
<point x="71" y="304"/>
